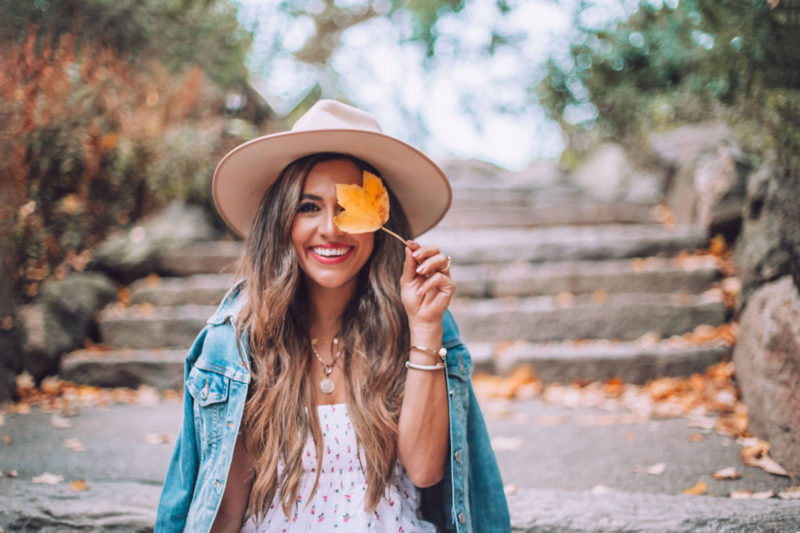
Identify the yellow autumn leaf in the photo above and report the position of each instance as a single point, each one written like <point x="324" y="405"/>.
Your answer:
<point x="699" y="488"/>
<point x="79" y="485"/>
<point x="366" y="208"/>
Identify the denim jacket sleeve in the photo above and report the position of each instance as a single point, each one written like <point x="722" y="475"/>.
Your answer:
<point x="215" y="389"/>
<point x="178" y="490"/>
<point x="471" y="474"/>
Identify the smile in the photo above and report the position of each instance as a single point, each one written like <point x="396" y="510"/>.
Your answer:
<point x="332" y="254"/>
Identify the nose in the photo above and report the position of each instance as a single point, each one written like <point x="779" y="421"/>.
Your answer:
<point x="329" y="227"/>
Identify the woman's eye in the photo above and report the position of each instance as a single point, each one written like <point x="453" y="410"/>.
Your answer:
<point x="307" y="207"/>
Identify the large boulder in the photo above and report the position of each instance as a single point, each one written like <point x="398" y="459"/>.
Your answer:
<point x="608" y="174"/>
<point x="707" y="172"/>
<point x="767" y="358"/>
<point x="135" y="252"/>
<point x="61" y="318"/>
<point x="769" y="245"/>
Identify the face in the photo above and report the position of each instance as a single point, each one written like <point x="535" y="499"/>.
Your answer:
<point x="329" y="257"/>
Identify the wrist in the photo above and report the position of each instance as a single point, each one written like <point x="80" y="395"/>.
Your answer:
<point x="426" y="333"/>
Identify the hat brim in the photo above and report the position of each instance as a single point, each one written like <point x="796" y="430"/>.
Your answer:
<point x="247" y="171"/>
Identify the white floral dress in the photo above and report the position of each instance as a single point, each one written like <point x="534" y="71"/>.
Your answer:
<point x="338" y="504"/>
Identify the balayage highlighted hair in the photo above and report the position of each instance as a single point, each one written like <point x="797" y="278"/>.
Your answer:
<point x="280" y="413"/>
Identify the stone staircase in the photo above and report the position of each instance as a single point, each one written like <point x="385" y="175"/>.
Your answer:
<point x="580" y="288"/>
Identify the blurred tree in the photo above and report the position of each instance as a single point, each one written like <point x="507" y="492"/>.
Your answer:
<point x="179" y="33"/>
<point x="680" y="62"/>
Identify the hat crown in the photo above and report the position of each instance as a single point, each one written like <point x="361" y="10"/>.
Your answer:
<point x="333" y="115"/>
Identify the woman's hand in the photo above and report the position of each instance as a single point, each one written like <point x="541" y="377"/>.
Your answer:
<point x="425" y="286"/>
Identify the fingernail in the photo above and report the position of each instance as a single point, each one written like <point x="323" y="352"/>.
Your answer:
<point x="420" y="269"/>
<point x="417" y="254"/>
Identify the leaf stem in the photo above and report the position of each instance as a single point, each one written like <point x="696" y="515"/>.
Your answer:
<point x="395" y="235"/>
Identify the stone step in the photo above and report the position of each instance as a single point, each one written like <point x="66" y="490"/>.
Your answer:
<point x="562" y="511"/>
<point x="620" y="316"/>
<point x="161" y="369"/>
<point x="488" y="246"/>
<point x="541" y="319"/>
<point x="512" y="212"/>
<point x="651" y="275"/>
<point x="563" y="243"/>
<point x="633" y="361"/>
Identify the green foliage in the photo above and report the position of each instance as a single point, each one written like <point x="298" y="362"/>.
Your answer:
<point x="179" y="33"/>
<point x="733" y="59"/>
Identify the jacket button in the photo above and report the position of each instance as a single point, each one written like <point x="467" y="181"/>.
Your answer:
<point x="461" y="518"/>
<point x="457" y="455"/>
<point x="452" y="392"/>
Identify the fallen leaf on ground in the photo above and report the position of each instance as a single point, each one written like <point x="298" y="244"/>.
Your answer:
<point x="564" y="299"/>
<point x="695" y="437"/>
<point x="158" y="438"/>
<point x="698" y="489"/>
<point x="741" y="494"/>
<point x="48" y="479"/>
<point x="6" y="439"/>
<point x="58" y="421"/>
<point x="506" y="443"/>
<point x="656" y="469"/>
<point x="601" y="489"/>
<point x="510" y="489"/>
<point x="12" y="473"/>
<point x="2" y="420"/>
<point x="727" y="473"/>
<point x="757" y="455"/>
<point x="792" y="493"/>
<point x="764" y="495"/>
<point x="79" y="485"/>
<point x="74" y="444"/>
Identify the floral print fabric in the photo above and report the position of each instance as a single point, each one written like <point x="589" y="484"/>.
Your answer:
<point x="338" y="504"/>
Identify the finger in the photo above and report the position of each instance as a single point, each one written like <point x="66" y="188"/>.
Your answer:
<point x="424" y="252"/>
<point x="413" y="245"/>
<point x="409" y="266"/>
<point x="437" y="263"/>
<point x="437" y="281"/>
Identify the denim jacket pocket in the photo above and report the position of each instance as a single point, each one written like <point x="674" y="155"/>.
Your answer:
<point x="459" y="363"/>
<point x="209" y="391"/>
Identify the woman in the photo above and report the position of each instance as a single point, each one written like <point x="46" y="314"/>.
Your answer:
<point x="331" y="390"/>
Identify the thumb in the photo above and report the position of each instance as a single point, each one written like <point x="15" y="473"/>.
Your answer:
<point x="409" y="268"/>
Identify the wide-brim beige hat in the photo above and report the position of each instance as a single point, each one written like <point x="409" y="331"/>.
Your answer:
<point x="248" y="170"/>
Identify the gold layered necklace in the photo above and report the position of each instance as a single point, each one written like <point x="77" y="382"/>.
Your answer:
<point x="326" y="384"/>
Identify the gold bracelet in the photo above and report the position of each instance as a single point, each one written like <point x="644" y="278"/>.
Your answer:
<point x="442" y="353"/>
<point x="437" y="366"/>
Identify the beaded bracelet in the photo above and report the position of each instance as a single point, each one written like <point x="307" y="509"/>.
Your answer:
<point x="441" y="353"/>
<point x="437" y="366"/>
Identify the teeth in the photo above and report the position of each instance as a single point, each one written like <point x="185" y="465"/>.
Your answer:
<point x="330" y="252"/>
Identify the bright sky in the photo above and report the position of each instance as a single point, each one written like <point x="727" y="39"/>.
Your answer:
<point x="450" y="110"/>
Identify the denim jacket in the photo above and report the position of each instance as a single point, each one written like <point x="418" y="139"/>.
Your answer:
<point x="215" y="382"/>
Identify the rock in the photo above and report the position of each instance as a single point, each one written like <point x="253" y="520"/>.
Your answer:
<point x="719" y="180"/>
<point x="707" y="182"/>
<point x="609" y="175"/>
<point x="549" y="510"/>
<point x="61" y="318"/>
<point x="105" y="506"/>
<point x="685" y="144"/>
<point x="135" y="252"/>
<point x="160" y="369"/>
<point x="769" y="245"/>
<point x="767" y="358"/>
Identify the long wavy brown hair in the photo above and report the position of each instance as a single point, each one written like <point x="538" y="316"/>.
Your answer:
<point x="280" y="413"/>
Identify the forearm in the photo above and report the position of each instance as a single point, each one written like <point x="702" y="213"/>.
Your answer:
<point x="423" y="432"/>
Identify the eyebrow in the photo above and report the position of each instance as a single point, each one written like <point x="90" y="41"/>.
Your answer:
<point x="311" y="197"/>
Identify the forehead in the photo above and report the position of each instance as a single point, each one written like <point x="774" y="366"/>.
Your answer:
<point x="326" y="174"/>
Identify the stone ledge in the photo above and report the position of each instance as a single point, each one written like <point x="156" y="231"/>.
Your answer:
<point x="545" y="511"/>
